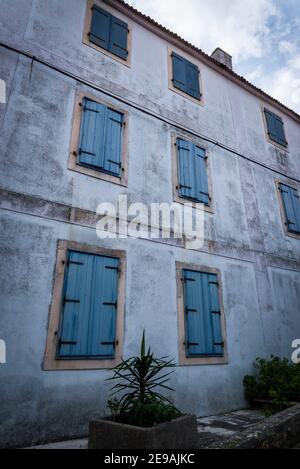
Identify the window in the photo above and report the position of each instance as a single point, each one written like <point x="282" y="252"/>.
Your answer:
<point x="291" y="206"/>
<point x="98" y="145"/>
<point x="274" y="127"/>
<point x="106" y="32"/>
<point x="192" y="172"/>
<point x="201" y="318"/>
<point x="89" y="303"/>
<point x="87" y="313"/>
<point x="185" y="76"/>
<point x="100" y="137"/>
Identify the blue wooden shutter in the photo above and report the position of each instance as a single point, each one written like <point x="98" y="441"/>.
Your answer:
<point x="100" y="27"/>
<point x="102" y="323"/>
<point x="88" y="315"/>
<point x="118" y="37"/>
<point x="202" y="314"/>
<point x="280" y="130"/>
<point x="291" y="205"/>
<point x="75" y="305"/>
<point x="192" y="74"/>
<point x="193" y="183"/>
<point x="100" y="142"/>
<point x="113" y="142"/>
<point x="186" y="165"/>
<point x="179" y="72"/>
<point x="201" y="175"/>
<point x="92" y="134"/>
<point x="275" y="128"/>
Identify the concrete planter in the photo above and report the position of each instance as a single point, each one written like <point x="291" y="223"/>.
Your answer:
<point x="180" y="433"/>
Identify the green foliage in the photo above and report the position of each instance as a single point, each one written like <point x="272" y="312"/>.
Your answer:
<point x="276" y="380"/>
<point x="137" y="379"/>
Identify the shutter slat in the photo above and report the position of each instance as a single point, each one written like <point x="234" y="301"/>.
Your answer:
<point x="100" y="27"/>
<point x="118" y="37"/>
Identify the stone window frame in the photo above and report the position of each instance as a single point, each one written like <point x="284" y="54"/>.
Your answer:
<point x="51" y="362"/>
<point x="175" y="173"/>
<point x="183" y="359"/>
<point x="73" y="164"/>
<point x="286" y="232"/>
<point x="170" y="75"/>
<point x="264" y="107"/>
<point x="87" y="27"/>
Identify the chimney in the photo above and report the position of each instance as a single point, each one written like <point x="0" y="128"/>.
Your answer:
<point x="222" y="57"/>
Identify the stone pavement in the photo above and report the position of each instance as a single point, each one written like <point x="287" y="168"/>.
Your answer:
<point x="211" y="429"/>
<point x="220" y="427"/>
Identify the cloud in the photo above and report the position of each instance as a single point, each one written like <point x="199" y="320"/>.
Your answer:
<point x="285" y="84"/>
<point x="287" y="47"/>
<point x="261" y="35"/>
<point x="237" y="28"/>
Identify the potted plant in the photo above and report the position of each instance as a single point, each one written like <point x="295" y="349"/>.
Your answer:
<point x="142" y="417"/>
<point x="275" y="385"/>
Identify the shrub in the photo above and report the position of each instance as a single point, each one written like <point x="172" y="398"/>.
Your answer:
<point x="276" y="380"/>
<point x="137" y="379"/>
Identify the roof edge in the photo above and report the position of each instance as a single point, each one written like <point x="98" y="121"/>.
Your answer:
<point x="175" y="39"/>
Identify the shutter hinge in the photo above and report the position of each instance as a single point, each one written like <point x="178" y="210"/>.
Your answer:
<point x="114" y="343"/>
<point x="190" y="344"/>
<point x="66" y="342"/>
<point x="110" y="303"/>
<point x="219" y="343"/>
<point x="68" y="300"/>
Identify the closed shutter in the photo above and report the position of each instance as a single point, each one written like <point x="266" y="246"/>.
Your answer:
<point x="92" y="134"/>
<point x="100" y="27"/>
<point x="102" y="324"/>
<point x="179" y="72"/>
<point x="118" y="38"/>
<point x="186" y="164"/>
<point x="185" y="76"/>
<point x="201" y="175"/>
<point x="291" y="203"/>
<point x="280" y="131"/>
<point x="113" y="142"/>
<point x="100" y="142"/>
<point x="202" y="315"/>
<point x="88" y="315"/>
<point x="192" y="74"/>
<point x="109" y="32"/>
<point x="275" y="128"/>
<point x="193" y="183"/>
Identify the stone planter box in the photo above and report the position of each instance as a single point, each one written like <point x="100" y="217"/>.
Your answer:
<point x="180" y="433"/>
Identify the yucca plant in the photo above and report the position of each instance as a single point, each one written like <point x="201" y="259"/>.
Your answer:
<point x="139" y="380"/>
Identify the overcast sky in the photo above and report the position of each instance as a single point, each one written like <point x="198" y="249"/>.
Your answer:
<point x="263" y="37"/>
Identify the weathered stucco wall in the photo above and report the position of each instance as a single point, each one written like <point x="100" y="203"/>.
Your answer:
<point x="244" y="237"/>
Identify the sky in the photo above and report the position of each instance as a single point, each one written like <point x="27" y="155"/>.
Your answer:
<point x="263" y="37"/>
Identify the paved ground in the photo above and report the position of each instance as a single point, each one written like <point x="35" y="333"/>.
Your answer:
<point x="213" y="428"/>
<point x="221" y="427"/>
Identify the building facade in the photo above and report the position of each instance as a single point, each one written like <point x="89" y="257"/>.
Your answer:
<point x="101" y="102"/>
